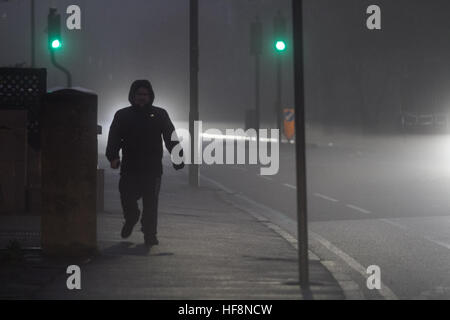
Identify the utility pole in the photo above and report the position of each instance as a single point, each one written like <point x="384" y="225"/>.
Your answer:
<point x="193" y="110"/>
<point x="256" y="50"/>
<point x="299" y="91"/>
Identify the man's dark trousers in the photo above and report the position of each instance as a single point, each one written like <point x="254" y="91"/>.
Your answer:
<point x="132" y="187"/>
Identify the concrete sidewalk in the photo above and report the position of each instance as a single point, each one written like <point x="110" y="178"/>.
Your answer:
<point x="209" y="249"/>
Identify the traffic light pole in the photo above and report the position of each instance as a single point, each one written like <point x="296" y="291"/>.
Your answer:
<point x="257" y="91"/>
<point x="256" y="50"/>
<point x="54" y="41"/>
<point x="33" y="46"/>
<point x="279" y="95"/>
<point x="279" y="24"/>
<point x="302" y="220"/>
<point x="60" y="67"/>
<point x="193" y="111"/>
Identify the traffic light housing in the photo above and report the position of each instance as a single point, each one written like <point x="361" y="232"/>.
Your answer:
<point x="280" y="37"/>
<point x="54" y="30"/>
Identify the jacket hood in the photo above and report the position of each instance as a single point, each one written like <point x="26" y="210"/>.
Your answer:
<point x="141" y="84"/>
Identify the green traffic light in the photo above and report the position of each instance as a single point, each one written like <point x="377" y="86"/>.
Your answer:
<point x="280" y="45"/>
<point x="56" y="44"/>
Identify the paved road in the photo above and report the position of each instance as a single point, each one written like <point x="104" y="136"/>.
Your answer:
<point x="372" y="201"/>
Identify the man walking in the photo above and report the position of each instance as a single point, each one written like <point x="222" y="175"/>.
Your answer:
<point x="137" y="130"/>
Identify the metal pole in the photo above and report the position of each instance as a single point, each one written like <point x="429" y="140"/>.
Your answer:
<point x="257" y="91"/>
<point x="33" y="49"/>
<point x="279" y="94"/>
<point x="279" y="24"/>
<point x="302" y="228"/>
<point x="193" y="111"/>
<point x="256" y="50"/>
<point x="60" y="67"/>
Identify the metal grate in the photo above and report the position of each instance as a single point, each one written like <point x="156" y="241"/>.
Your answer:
<point x="22" y="88"/>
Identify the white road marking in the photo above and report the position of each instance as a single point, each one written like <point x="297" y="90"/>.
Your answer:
<point x="358" y="208"/>
<point x="440" y="243"/>
<point x="395" y="224"/>
<point x="325" y="197"/>
<point x="265" y="177"/>
<point x="385" y="291"/>
<point x="289" y="186"/>
<point x="428" y="238"/>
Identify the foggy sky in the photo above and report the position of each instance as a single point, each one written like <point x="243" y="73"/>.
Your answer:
<point x="353" y="76"/>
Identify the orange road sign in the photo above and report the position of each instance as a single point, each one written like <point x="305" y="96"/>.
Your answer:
<point x="289" y="123"/>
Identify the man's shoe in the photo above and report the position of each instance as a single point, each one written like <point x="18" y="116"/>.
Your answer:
<point x="151" y="241"/>
<point x="127" y="229"/>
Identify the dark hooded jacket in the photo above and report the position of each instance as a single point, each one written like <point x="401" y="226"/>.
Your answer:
<point x="139" y="131"/>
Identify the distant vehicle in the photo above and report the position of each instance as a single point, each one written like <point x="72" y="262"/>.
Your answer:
<point x="421" y="121"/>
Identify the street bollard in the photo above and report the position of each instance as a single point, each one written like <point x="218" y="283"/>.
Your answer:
<point x="69" y="173"/>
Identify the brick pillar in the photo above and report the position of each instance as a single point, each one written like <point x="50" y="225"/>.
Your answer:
<point x="69" y="173"/>
<point x="13" y="161"/>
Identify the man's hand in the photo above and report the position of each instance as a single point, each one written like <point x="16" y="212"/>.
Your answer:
<point x="178" y="166"/>
<point x="115" y="164"/>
